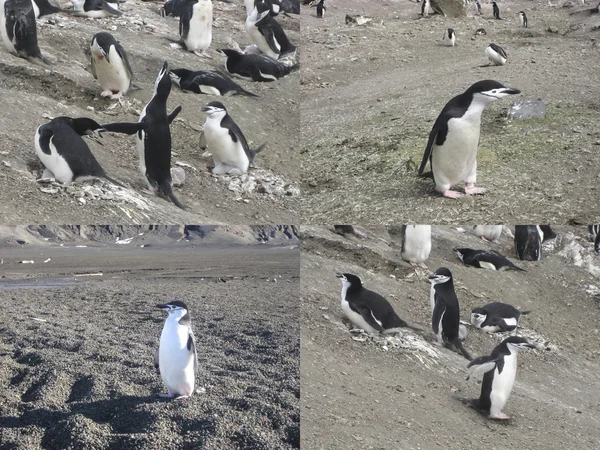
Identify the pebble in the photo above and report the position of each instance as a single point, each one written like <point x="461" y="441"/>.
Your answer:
<point x="178" y="176"/>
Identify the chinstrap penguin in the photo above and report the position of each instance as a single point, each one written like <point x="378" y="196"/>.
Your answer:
<point x="195" y="26"/>
<point x="445" y="319"/>
<point x="153" y="137"/>
<point x="425" y="6"/>
<point x="206" y="82"/>
<point x="19" y="30"/>
<point x="64" y="154"/>
<point x="226" y="142"/>
<point x="499" y="369"/>
<point x="450" y="35"/>
<point x="176" y="357"/>
<point x="496" y="317"/>
<point x="496" y="11"/>
<point x="488" y="232"/>
<point x="110" y="65"/>
<point x="454" y="138"/>
<point x="496" y="55"/>
<point x="254" y="67"/>
<point x="266" y="33"/>
<point x="523" y="19"/>
<point x="320" y="5"/>
<point x="484" y="259"/>
<point x="368" y="310"/>
<point x="416" y="244"/>
<point x="548" y="233"/>
<point x="96" y="9"/>
<point x="528" y="242"/>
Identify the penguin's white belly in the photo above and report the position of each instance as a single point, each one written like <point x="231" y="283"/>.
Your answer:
<point x="503" y="383"/>
<point x="490" y="232"/>
<point x="249" y="6"/>
<point x="200" y="34"/>
<point x="495" y="57"/>
<point x="417" y="243"/>
<point x="432" y="298"/>
<point x="112" y="75"/>
<point x="224" y="151"/>
<point x="260" y="41"/>
<point x="456" y="158"/>
<point x="487" y="265"/>
<point x="7" y="42"/>
<point x="357" y="319"/>
<point x="176" y="362"/>
<point x="54" y="162"/>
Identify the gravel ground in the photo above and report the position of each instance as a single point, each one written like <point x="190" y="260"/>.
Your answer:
<point x="370" y="95"/>
<point x="33" y="93"/>
<point x="76" y="351"/>
<point x="362" y="395"/>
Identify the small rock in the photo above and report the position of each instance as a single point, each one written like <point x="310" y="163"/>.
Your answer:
<point x="6" y="163"/>
<point x="81" y="200"/>
<point x="178" y="176"/>
<point x="552" y="30"/>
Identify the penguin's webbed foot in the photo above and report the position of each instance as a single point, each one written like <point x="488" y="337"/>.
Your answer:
<point x="116" y="96"/>
<point x="452" y="194"/>
<point x="499" y="416"/>
<point x="472" y="190"/>
<point x="107" y="93"/>
<point x="202" y="54"/>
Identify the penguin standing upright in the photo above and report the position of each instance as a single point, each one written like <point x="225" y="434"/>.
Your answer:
<point x="110" y="65"/>
<point x="523" y="19"/>
<point x="528" y="242"/>
<point x="195" y="26"/>
<point x="454" y="138"/>
<point x="496" y="317"/>
<point x="500" y="370"/>
<point x="176" y="357"/>
<point x="153" y="137"/>
<point x="416" y="244"/>
<point x="451" y="35"/>
<point x="96" y="9"/>
<point x="496" y="11"/>
<point x="488" y="232"/>
<point x="445" y="319"/>
<point x="425" y="8"/>
<point x="368" y="310"/>
<point x="63" y="152"/>
<point x="226" y="142"/>
<point x="266" y="33"/>
<point x="320" y="5"/>
<point x="496" y="55"/>
<point x="18" y="28"/>
<point x="254" y="67"/>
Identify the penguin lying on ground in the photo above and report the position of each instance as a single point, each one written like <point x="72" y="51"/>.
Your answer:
<point x="499" y="369"/>
<point x="484" y="259"/>
<point x="176" y="357"/>
<point x="96" y="9"/>
<point x="206" y="82"/>
<point x="63" y="152"/>
<point x="110" y="65"/>
<point x="368" y="310"/>
<point x="496" y="317"/>
<point x="254" y="67"/>
<point x="44" y="8"/>
<point x="266" y="33"/>
<point x="19" y="31"/>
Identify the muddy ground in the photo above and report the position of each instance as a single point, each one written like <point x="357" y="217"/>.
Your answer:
<point x="370" y="95"/>
<point x="30" y="93"/>
<point x="77" y="351"/>
<point x="362" y="395"/>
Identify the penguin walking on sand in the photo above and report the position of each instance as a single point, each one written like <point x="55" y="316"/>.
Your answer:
<point x="110" y="65"/>
<point x="207" y="82"/>
<point x="368" y="310"/>
<point x="450" y="35"/>
<point x="496" y="11"/>
<point x="453" y="141"/>
<point x="528" y="242"/>
<point x="254" y="67"/>
<point x="523" y="19"/>
<point x="18" y="28"/>
<point x="445" y="319"/>
<point x="496" y="317"/>
<point x="153" y="137"/>
<point x="176" y="357"/>
<point x="195" y="26"/>
<point x="64" y="154"/>
<point x="416" y="244"/>
<point x="484" y="259"/>
<point x="488" y="233"/>
<point x="96" y="9"/>
<point x="267" y="34"/>
<point x="226" y="142"/>
<point x="320" y="5"/>
<point x="499" y="369"/>
<point x="496" y="55"/>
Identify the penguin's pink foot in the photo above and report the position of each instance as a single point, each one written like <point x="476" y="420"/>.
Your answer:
<point x="167" y="395"/>
<point x="499" y="416"/>
<point x="452" y="194"/>
<point x="472" y="190"/>
<point x="107" y="93"/>
<point x="116" y="96"/>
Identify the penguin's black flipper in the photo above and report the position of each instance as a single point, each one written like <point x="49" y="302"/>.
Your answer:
<point x="106" y="7"/>
<point x="253" y="151"/>
<point x="113" y="181"/>
<point x="156" y="359"/>
<point x="191" y="346"/>
<point x="436" y="317"/>
<point x="366" y="314"/>
<point x="174" y="113"/>
<point x="485" y="364"/>
<point x="125" y="127"/>
<point x="432" y="138"/>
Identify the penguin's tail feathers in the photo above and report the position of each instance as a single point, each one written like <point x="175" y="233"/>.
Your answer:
<point x="166" y="189"/>
<point x="524" y="313"/>
<point x="113" y="181"/>
<point x="245" y="92"/>
<point x="456" y="342"/>
<point x="517" y="268"/>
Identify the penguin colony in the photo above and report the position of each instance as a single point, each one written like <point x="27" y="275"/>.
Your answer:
<point x="59" y="144"/>
<point x="371" y="312"/>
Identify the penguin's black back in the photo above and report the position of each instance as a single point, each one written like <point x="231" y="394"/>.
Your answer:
<point x="528" y="242"/>
<point x="381" y="308"/>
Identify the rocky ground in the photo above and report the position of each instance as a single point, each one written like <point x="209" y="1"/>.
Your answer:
<point x="78" y="334"/>
<point x="30" y="94"/>
<point x="371" y="93"/>
<point x="372" y="393"/>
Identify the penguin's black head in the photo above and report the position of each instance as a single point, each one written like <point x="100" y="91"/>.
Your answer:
<point x="101" y="42"/>
<point x="162" y="85"/>
<point x="174" y="306"/>
<point x="229" y="52"/>
<point x="460" y="252"/>
<point x="349" y="279"/>
<point x="177" y="74"/>
<point x="489" y="90"/>
<point x="518" y="343"/>
<point x="214" y="108"/>
<point x="83" y="126"/>
<point x="442" y="275"/>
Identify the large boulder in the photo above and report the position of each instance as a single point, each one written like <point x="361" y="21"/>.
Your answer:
<point x="450" y="8"/>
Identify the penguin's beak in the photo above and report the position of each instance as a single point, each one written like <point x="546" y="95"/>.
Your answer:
<point x="339" y="275"/>
<point x="162" y="306"/>
<point x="511" y="91"/>
<point x="433" y="276"/>
<point x="206" y="109"/>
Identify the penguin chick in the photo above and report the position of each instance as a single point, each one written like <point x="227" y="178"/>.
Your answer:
<point x="496" y="317"/>
<point x="176" y="357"/>
<point x="484" y="259"/>
<point x="368" y="310"/>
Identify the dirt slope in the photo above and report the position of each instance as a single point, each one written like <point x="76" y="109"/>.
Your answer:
<point x="370" y="95"/>
<point x="360" y="395"/>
